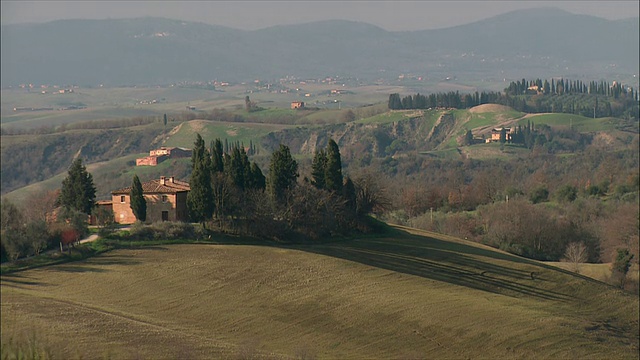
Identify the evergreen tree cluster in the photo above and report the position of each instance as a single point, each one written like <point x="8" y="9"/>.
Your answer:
<point x="228" y="147"/>
<point x="565" y="86"/>
<point x="592" y="99"/>
<point x="442" y="100"/>
<point x="326" y="168"/>
<point x="220" y="179"/>
<point x="283" y="173"/>
<point x="229" y="191"/>
<point x="326" y="174"/>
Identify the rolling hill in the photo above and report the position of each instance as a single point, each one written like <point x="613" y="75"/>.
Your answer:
<point x="437" y="132"/>
<point x="162" y="51"/>
<point x="407" y="294"/>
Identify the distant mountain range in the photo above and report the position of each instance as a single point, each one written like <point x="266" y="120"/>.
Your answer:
<point x="539" y="42"/>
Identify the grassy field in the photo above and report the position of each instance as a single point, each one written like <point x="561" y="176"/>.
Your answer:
<point x="101" y="104"/>
<point x="490" y="119"/>
<point x="388" y="117"/>
<point x="577" y="122"/>
<point x="210" y="130"/>
<point x="601" y="272"/>
<point x="406" y="295"/>
<point x="100" y="171"/>
<point x="113" y="103"/>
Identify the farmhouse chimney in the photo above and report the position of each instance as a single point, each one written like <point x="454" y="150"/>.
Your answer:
<point x="171" y="179"/>
<point x="162" y="180"/>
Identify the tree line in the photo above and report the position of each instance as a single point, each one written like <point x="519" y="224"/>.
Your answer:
<point x="449" y="99"/>
<point x="592" y="99"/>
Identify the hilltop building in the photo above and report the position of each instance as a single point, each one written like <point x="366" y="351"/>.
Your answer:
<point x="159" y="155"/>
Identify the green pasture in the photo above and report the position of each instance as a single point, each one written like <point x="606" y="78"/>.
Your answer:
<point x="488" y="119"/>
<point x="576" y="122"/>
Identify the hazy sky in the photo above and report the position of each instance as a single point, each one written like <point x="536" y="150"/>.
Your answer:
<point x="390" y="15"/>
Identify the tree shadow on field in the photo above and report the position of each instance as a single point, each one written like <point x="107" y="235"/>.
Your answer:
<point x="18" y="281"/>
<point x="450" y="262"/>
<point x="76" y="268"/>
<point x="96" y="264"/>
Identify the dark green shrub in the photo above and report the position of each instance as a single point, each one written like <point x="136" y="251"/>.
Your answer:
<point x="567" y="193"/>
<point x="539" y="194"/>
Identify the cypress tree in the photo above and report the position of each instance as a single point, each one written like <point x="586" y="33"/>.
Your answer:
<point x="333" y="169"/>
<point x="318" y="166"/>
<point x="78" y="192"/>
<point x="138" y="202"/>
<point x="349" y="194"/>
<point x="257" y="180"/>
<point x="200" y="198"/>
<point x="246" y="166"/>
<point x="283" y="173"/>
<point x="217" y="164"/>
<point x="198" y="151"/>
<point x="236" y="170"/>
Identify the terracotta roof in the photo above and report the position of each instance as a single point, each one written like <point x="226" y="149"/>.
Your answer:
<point x="155" y="186"/>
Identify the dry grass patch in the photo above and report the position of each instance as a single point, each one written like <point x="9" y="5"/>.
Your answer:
<point x="413" y="293"/>
<point x="490" y="108"/>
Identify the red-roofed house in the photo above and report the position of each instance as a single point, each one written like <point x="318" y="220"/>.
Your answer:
<point x="166" y="201"/>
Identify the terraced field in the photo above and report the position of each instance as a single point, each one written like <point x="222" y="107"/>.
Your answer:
<point x="408" y="295"/>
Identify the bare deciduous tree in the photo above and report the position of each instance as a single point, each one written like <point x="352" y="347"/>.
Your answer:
<point x="371" y="195"/>
<point x="576" y="253"/>
<point x="39" y="206"/>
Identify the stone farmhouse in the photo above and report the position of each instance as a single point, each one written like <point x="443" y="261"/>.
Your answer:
<point x="166" y="201"/>
<point x="297" y="105"/>
<point x="159" y="155"/>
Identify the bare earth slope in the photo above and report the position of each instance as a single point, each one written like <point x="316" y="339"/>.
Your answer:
<point x="412" y="295"/>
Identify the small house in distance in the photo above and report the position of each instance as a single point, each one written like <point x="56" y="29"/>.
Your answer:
<point x="495" y="134"/>
<point x="159" y="155"/>
<point x="297" y="105"/>
<point x="166" y="201"/>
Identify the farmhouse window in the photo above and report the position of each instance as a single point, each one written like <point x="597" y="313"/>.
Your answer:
<point x="122" y="198"/>
<point x="165" y="198"/>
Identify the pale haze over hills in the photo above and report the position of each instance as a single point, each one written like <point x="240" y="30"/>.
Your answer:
<point x="114" y="52"/>
<point x="252" y="15"/>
